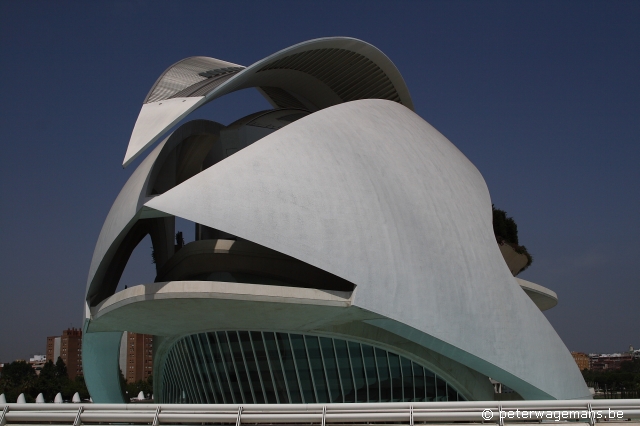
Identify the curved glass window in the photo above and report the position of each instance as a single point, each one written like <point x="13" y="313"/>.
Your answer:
<point x="242" y="367"/>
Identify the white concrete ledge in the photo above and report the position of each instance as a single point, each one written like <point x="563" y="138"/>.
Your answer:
<point x="181" y="307"/>
<point x="541" y="296"/>
<point x="222" y="290"/>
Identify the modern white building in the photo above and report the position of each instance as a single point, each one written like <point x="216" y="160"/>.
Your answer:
<point x="343" y="252"/>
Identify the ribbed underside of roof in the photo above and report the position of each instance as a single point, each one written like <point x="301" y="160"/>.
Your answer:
<point x="191" y="77"/>
<point x="282" y="98"/>
<point x="350" y="75"/>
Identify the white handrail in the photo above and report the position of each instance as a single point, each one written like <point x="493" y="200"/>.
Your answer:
<point x="590" y="411"/>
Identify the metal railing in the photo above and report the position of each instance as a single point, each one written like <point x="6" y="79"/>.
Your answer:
<point x="590" y="411"/>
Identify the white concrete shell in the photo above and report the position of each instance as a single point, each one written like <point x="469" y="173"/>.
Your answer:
<point x="370" y="192"/>
<point x="302" y="76"/>
<point x="361" y="189"/>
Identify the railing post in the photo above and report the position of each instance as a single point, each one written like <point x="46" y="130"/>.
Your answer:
<point x="3" y="416"/>
<point x="238" y="420"/>
<point x="324" y="415"/>
<point x="77" y="421"/>
<point x="156" y="417"/>
<point x="411" y="415"/>
<point x="500" y="419"/>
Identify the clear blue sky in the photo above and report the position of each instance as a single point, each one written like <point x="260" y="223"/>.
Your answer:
<point x="542" y="96"/>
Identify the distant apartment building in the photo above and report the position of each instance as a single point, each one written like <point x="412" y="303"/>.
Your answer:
<point x="601" y="362"/>
<point x="37" y="362"/>
<point x="53" y="348"/>
<point x="582" y="360"/>
<point x="136" y="356"/>
<point x="69" y="348"/>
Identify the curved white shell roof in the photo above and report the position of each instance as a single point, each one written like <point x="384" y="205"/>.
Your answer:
<point x="369" y="191"/>
<point x="314" y="74"/>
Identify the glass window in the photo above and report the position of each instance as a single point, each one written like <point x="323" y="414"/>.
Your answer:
<point x="441" y="389"/>
<point x="276" y="366"/>
<point x="407" y="379"/>
<point x="452" y="394"/>
<point x="418" y="381"/>
<point x="344" y="368"/>
<point x="396" y="377"/>
<point x="207" y="379"/>
<point x="267" y="367"/>
<point x="209" y="345"/>
<point x="240" y="367"/>
<point x="371" y="373"/>
<point x="228" y="366"/>
<point x="290" y="373"/>
<point x="358" y="372"/>
<point x="263" y="363"/>
<point x="254" y="375"/>
<point x="302" y="367"/>
<point x="383" y="373"/>
<point x="317" y="368"/>
<point x="430" y="385"/>
<point x="328" y="355"/>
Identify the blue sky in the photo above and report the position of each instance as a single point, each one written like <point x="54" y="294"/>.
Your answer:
<point x="542" y="96"/>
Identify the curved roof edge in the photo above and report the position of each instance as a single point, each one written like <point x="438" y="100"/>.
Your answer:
<point x="300" y="76"/>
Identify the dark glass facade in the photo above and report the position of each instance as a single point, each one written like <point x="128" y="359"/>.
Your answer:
<point x="247" y="367"/>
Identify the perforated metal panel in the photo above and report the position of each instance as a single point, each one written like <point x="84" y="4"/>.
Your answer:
<point x="187" y="73"/>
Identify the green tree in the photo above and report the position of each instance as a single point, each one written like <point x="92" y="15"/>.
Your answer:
<point x="48" y="381"/>
<point x="504" y="227"/>
<point x="626" y="378"/>
<point x="506" y="231"/>
<point x="61" y="368"/>
<point x="18" y="377"/>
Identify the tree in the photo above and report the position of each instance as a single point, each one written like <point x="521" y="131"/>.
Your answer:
<point x="506" y="231"/>
<point x="626" y="378"/>
<point x="61" y="368"/>
<point x="48" y="381"/>
<point x="504" y="227"/>
<point x="18" y="377"/>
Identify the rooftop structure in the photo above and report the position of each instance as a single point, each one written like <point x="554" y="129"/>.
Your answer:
<point x="343" y="250"/>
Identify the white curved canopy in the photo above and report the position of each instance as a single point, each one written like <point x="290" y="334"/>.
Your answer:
<point x="312" y="75"/>
<point x="370" y="192"/>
